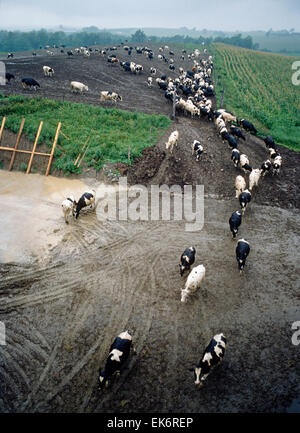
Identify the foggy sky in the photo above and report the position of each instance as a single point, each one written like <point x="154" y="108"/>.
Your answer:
<point x="242" y="15"/>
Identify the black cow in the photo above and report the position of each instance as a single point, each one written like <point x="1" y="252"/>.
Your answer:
<point x="29" y="82"/>
<point x="237" y="132"/>
<point x="234" y="222"/>
<point x="187" y="259"/>
<point x="211" y="357"/>
<point x="248" y="126"/>
<point x="242" y="252"/>
<point x="118" y="354"/>
<point x="232" y="141"/>
<point x="269" y="142"/>
<point x="9" y="76"/>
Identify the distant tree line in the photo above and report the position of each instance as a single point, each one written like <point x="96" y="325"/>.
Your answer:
<point x="34" y="40"/>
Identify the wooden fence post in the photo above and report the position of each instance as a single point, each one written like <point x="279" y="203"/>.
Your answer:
<point x="34" y="146"/>
<point x="53" y="148"/>
<point x="2" y="127"/>
<point x="16" y="146"/>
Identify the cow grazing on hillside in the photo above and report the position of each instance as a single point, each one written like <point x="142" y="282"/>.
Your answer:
<point x="48" y="72"/>
<point x="29" y="82"/>
<point x="76" y="87"/>
<point x="110" y="96"/>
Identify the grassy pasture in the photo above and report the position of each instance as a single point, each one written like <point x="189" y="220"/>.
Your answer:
<point x="258" y="87"/>
<point x="112" y="131"/>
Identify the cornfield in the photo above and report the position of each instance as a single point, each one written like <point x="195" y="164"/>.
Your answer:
<point x="258" y="87"/>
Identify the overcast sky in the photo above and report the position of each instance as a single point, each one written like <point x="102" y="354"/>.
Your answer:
<point x="228" y="15"/>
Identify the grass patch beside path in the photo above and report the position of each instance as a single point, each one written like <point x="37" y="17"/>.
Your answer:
<point x="112" y="131"/>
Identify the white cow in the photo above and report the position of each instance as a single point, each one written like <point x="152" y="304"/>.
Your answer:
<point x="48" y="72"/>
<point x="172" y="140"/>
<point x="240" y="185"/>
<point x="76" y="86"/>
<point x="254" y="177"/>
<point x="193" y="282"/>
<point x="68" y="207"/>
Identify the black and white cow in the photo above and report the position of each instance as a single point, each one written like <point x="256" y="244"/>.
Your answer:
<point x="198" y="149"/>
<point x="118" y="354"/>
<point x="248" y="126"/>
<point x="266" y="167"/>
<point x="29" y="82"/>
<point x="212" y="356"/>
<point x="242" y="251"/>
<point x="277" y="164"/>
<point x="244" y="199"/>
<point x="235" y="156"/>
<point x="68" y="207"/>
<point x="87" y="199"/>
<point x="234" y="222"/>
<point x="187" y="259"/>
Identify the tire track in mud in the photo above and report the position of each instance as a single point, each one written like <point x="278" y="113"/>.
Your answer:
<point x="123" y="299"/>
<point x="140" y="335"/>
<point x="127" y="302"/>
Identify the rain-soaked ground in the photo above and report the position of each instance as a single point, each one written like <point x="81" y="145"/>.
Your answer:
<point x="66" y="291"/>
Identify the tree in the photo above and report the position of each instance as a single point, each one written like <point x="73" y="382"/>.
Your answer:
<point x="139" y="36"/>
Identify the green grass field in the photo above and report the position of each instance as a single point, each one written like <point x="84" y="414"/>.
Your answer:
<point x="258" y="87"/>
<point x="112" y="132"/>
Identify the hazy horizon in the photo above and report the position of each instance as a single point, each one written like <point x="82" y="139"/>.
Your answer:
<point x="243" y="16"/>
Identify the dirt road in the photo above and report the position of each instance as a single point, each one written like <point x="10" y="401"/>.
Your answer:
<point x="66" y="291"/>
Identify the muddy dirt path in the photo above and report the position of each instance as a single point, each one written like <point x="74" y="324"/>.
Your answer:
<point x="62" y="309"/>
<point x="66" y="291"/>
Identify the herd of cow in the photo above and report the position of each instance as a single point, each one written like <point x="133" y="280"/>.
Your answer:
<point x="189" y="93"/>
